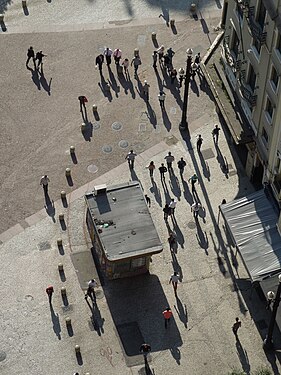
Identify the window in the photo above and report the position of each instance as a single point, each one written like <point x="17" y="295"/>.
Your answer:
<point x="239" y="10"/>
<point x="269" y="108"/>
<point x="257" y="44"/>
<point x="278" y="43"/>
<point x="274" y="78"/>
<point x="265" y="135"/>
<point x="252" y="78"/>
<point x="261" y="15"/>
<point x="235" y="44"/>
<point x="138" y="262"/>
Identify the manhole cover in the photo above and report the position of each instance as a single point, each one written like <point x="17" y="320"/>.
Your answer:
<point x="123" y="144"/>
<point x="96" y="125"/>
<point x="67" y="308"/>
<point x="28" y="297"/>
<point x="207" y="153"/>
<point x="92" y="168"/>
<point x="2" y="356"/>
<point x="172" y="140"/>
<point x="107" y="149"/>
<point x="191" y="225"/>
<point x="117" y="126"/>
<point x="139" y="147"/>
<point x="44" y="246"/>
<point x="99" y="294"/>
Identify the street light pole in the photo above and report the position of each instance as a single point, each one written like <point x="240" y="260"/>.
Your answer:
<point x="268" y="342"/>
<point x="183" y="124"/>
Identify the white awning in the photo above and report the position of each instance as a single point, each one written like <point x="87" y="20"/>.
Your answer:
<point x="252" y="221"/>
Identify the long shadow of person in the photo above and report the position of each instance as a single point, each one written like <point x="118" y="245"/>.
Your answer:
<point x="176" y="94"/>
<point x="46" y="86"/>
<point x="156" y="192"/>
<point x="35" y="77"/>
<point x="159" y="80"/>
<point x="243" y="357"/>
<point x="180" y="237"/>
<point x="105" y="89"/>
<point x="222" y="161"/>
<point x="176" y="266"/>
<point x="165" y="14"/>
<point x="98" y="321"/>
<point x="205" y="167"/>
<point x="113" y="83"/>
<point x="166" y="191"/>
<point x="166" y="121"/>
<point x="202" y="238"/>
<point x="56" y="322"/>
<point x="131" y="87"/>
<point x="186" y="192"/>
<point x="194" y="87"/>
<point x="175" y="186"/>
<point x="134" y="176"/>
<point x="181" y="311"/>
<point x="151" y="115"/>
<point x="50" y="207"/>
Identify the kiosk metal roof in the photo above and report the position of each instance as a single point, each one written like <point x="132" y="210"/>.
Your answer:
<point x="123" y="221"/>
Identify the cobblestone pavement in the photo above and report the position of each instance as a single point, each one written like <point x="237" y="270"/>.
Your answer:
<point x="41" y="119"/>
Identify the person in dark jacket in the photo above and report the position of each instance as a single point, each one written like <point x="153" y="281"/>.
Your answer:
<point x="30" y="55"/>
<point x="99" y="62"/>
<point x="39" y="57"/>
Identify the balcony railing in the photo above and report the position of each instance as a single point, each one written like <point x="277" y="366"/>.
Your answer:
<point x="255" y="27"/>
<point x="248" y="94"/>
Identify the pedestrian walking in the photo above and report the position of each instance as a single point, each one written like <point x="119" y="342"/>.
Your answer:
<point x="172" y="242"/>
<point x="107" y="54"/>
<point x="151" y="169"/>
<point x="136" y="61"/>
<point x="92" y="284"/>
<point x="181" y="165"/>
<point x="167" y="212"/>
<point x="173" y="75"/>
<point x="44" y="182"/>
<point x="99" y="62"/>
<point x="181" y="76"/>
<point x="50" y="291"/>
<point x="160" y="52"/>
<point x="162" y="171"/>
<point x="154" y="59"/>
<point x="172" y="206"/>
<point x="117" y="54"/>
<point x="193" y="179"/>
<point x="195" y="207"/>
<point x="30" y="55"/>
<point x="161" y="98"/>
<point x="215" y="134"/>
<point x="174" y="279"/>
<point x="235" y="327"/>
<point x="145" y="349"/>
<point x="39" y="57"/>
<point x="167" y="62"/>
<point x="197" y="60"/>
<point x="131" y="159"/>
<point x="145" y="90"/>
<point x="82" y="100"/>
<point x="148" y="200"/>
<point x="167" y="314"/>
<point x="170" y="53"/>
<point x="126" y="64"/>
<point x="169" y="160"/>
<point x="199" y="143"/>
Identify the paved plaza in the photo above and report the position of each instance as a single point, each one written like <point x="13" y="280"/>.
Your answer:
<point x="40" y="120"/>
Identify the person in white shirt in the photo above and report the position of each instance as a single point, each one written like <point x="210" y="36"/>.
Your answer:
<point x="131" y="159"/>
<point x="44" y="182"/>
<point x="161" y="98"/>
<point x="92" y="284"/>
<point x="174" y="279"/>
<point x="117" y="54"/>
<point x="172" y="206"/>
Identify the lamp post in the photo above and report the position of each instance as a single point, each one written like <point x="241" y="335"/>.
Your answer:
<point x="268" y="342"/>
<point x="183" y="124"/>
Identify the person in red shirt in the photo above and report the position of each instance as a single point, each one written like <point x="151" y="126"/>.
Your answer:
<point x="167" y="314"/>
<point x="50" y="291"/>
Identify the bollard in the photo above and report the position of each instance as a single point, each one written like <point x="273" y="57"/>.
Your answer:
<point x="63" y="194"/>
<point x="193" y="7"/>
<point x="95" y="108"/>
<point x="61" y="217"/>
<point x="63" y="291"/>
<point x="77" y="348"/>
<point x="72" y="149"/>
<point x="68" y="321"/>
<point x="68" y="172"/>
<point x="136" y="52"/>
<point x="172" y="22"/>
<point x="83" y="127"/>
<point x="60" y="267"/>
<point x="59" y="242"/>
<point x="23" y="3"/>
<point x="153" y="36"/>
<point x="1" y="18"/>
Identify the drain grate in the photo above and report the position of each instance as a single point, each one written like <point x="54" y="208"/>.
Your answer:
<point x="117" y="126"/>
<point x="92" y="168"/>
<point x="123" y="144"/>
<point x="107" y="149"/>
<point x="42" y="246"/>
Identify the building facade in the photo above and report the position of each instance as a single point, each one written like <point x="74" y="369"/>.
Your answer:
<point x="251" y="60"/>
